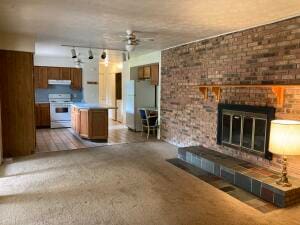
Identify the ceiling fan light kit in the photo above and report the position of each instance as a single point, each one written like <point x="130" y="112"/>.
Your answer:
<point x="130" y="47"/>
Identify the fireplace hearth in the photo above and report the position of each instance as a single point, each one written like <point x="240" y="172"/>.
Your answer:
<point x="245" y="127"/>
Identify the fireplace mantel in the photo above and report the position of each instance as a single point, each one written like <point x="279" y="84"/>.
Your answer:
<point x="277" y="89"/>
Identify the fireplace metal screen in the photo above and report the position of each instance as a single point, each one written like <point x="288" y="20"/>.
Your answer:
<point x="245" y="127"/>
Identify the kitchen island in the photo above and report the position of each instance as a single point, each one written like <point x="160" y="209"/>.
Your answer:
<point x="90" y="121"/>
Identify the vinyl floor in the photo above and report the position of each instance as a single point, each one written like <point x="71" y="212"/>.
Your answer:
<point x="48" y="140"/>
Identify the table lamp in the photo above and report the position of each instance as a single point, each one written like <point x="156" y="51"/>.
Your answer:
<point x="285" y="140"/>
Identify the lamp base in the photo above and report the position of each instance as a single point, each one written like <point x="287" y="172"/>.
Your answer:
<point x="284" y="181"/>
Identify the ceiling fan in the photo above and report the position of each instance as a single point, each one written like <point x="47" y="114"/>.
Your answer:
<point x="132" y="40"/>
<point x="78" y="61"/>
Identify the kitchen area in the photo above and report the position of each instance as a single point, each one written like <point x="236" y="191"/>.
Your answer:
<point x="67" y="119"/>
<point x="56" y="88"/>
<point x="64" y="120"/>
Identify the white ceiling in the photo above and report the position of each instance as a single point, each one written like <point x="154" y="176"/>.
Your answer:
<point x="170" y="22"/>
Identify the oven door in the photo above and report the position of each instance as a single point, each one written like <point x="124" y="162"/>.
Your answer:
<point x="60" y="112"/>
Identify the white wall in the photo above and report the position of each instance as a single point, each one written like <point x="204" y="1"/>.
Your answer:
<point x="17" y="42"/>
<point x="154" y="57"/>
<point x="90" y="71"/>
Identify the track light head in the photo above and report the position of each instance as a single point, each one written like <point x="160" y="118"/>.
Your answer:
<point x="103" y="55"/>
<point x="90" y="52"/>
<point x="73" y="52"/>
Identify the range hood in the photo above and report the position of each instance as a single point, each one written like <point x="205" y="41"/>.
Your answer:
<point x="60" y="82"/>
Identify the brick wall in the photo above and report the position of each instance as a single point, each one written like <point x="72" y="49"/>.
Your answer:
<point x="263" y="55"/>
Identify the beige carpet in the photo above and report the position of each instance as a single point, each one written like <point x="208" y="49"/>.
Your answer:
<point x="120" y="184"/>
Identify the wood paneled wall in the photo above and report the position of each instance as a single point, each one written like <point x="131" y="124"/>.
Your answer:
<point x="17" y="98"/>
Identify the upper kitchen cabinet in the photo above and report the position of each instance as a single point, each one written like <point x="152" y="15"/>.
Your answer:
<point x="149" y="72"/>
<point x="53" y="73"/>
<point x="65" y="73"/>
<point x="76" y="78"/>
<point x="141" y="73"/>
<point x="40" y="77"/>
<point x="154" y="74"/>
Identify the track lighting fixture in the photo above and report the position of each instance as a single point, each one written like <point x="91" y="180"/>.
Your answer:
<point x="73" y="52"/>
<point x="90" y="52"/>
<point x="103" y="55"/>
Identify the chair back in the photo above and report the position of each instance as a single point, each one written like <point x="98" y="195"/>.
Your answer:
<point x="152" y="121"/>
<point x="143" y="115"/>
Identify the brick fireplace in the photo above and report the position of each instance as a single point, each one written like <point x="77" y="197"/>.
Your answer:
<point x="268" y="54"/>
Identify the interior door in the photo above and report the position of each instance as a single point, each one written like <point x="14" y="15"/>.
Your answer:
<point x="118" y="94"/>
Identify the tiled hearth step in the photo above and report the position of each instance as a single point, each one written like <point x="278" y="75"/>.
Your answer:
<point x="254" y="179"/>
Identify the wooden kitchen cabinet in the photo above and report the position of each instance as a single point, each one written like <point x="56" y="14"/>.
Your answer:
<point x="40" y="77"/>
<point x="75" y="119"/>
<point x="42" y="115"/>
<point x="90" y="123"/>
<point x="154" y="74"/>
<point x="141" y="73"/>
<point x="53" y="73"/>
<point x="76" y="78"/>
<point x="94" y="124"/>
<point x="65" y="73"/>
<point x="84" y="124"/>
<point x="43" y="73"/>
<point x="149" y="72"/>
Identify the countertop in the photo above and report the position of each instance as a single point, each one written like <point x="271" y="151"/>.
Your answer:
<point x="92" y="106"/>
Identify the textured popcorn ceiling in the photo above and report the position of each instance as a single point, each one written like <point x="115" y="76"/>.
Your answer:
<point x="170" y="22"/>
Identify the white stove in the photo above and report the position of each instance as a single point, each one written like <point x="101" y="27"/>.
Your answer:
<point x="60" y="110"/>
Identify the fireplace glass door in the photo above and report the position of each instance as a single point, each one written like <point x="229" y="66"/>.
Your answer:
<point x="236" y="130"/>
<point x="245" y="130"/>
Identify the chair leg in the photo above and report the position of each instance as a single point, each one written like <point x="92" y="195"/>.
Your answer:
<point x="142" y="130"/>
<point x="148" y="132"/>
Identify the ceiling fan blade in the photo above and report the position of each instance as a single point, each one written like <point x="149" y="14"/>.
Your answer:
<point x="146" y="39"/>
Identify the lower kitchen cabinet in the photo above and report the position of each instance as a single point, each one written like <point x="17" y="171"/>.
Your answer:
<point x="90" y="123"/>
<point x="98" y="120"/>
<point x="42" y="115"/>
<point x="75" y="119"/>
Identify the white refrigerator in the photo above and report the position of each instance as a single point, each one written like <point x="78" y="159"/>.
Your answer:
<point x="139" y="94"/>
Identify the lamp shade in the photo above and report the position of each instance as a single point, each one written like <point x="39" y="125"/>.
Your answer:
<point x="285" y="137"/>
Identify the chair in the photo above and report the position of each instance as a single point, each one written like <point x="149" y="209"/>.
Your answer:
<point x="148" y="121"/>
